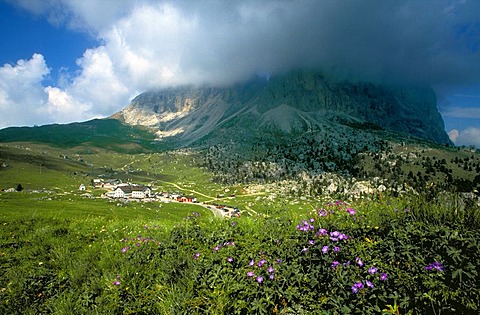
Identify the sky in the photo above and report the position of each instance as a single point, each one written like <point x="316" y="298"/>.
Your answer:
<point x="74" y="60"/>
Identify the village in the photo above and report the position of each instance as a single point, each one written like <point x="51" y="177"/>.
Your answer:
<point x="131" y="192"/>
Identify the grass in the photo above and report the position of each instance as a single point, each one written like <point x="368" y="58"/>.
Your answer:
<point x="94" y="257"/>
<point x="63" y="253"/>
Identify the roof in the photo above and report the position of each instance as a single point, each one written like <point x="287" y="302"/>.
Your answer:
<point x="129" y="189"/>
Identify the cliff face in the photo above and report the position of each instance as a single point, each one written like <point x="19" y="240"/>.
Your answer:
<point x="296" y="102"/>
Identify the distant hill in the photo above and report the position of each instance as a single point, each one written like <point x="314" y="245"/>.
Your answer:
<point x="294" y="103"/>
<point x="105" y="133"/>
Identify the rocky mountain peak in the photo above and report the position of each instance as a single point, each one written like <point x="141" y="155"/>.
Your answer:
<point x="299" y="101"/>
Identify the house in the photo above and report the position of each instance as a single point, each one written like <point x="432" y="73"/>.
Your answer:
<point x="130" y="191"/>
<point x="82" y="187"/>
<point x="190" y="199"/>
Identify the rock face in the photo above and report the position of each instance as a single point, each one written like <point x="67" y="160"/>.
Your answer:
<point x="299" y="101"/>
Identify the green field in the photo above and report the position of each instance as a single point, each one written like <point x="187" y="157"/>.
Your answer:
<point x="65" y="252"/>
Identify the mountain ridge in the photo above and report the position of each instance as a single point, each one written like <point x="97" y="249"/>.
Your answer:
<point x="299" y="101"/>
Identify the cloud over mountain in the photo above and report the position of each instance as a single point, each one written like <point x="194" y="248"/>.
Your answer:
<point x="151" y="44"/>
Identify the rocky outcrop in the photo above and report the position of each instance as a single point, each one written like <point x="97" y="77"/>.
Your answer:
<point x="296" y="102"/>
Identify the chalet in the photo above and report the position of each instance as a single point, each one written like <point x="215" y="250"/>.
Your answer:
<point x="107" y="184"/>
<point x="82" y="187"/>
<point x="135" y="192"/>
<point x="190" y="199"/>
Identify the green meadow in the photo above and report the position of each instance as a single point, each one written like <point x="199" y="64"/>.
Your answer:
<point x="63" y="251"/>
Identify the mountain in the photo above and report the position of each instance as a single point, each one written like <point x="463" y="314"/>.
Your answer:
<point x="296" y="102"/>
<point x="105" y="133"/>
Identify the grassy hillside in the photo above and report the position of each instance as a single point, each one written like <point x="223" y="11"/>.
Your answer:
<point x="296" y="249"/>
<point x="101" y="133"/>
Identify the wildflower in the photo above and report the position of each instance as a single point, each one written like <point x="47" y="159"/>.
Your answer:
<point x="251" y="263"/>
<point x="435" y="265"/>
<point x="336" y="249"/>
<point x="334" y="236"/>
<point x="312" y="220"/>
<point x="351" y="211"/>
<point x="272" y="276"/>
<point x="261" y="262"/>
<point x="357" y="286"/>
<point x="270" y="269"/>
<point x="311" y="242"/>
<point x="278" y="261"/>
<point x="138" y="244"/>
<point x="359" y="262"/>
<point x="383" y="276"/>
<point x="234" y="223"/>
<point x="116" y="283"/>
<point x="372" y="270"/>
<point x="305" y="249"/>
<point x="216" y="248"/>
<point x="196" y="256"/>
<point x="322" y="232"/>
<point x="230" y="259"/>
<point x="250" y="274"/>
<point x="124" y="250"/>
<point x="322" y="213"/>
<point x="325" y="249"/>
<point x="369" y="284"/>
<point x="259" y="279"/>
<point x="334" y="264"/>
<point x="118" y="277"/>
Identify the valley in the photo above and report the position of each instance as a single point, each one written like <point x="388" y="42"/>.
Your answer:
<point x="337" y="214"/>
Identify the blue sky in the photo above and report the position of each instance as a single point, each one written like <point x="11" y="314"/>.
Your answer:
<point x="68" y="60"/>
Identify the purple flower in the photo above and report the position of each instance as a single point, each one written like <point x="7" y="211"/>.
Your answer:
<point x="124" y="250"/>
<point x="196" y="256"/>
<point x="250" y="274"/>
<point x="359" y="262"/>
<point x="278" y="261"/>
<point x="372" y="270"/>
<point x="216" y="248"/>
<point x="116" y="283"/>
<point x="305" y="249"/>
<point x="322" y="232"/>
<point x="259" y="279"/>
<point x="229" y="259"/>
<point x="118" y="277"/>
<point x="311" y="242"/>
<point x="369" y="284"/>
<point x="351" y="211"/>
<point x="251" y="263"/>
<point x="383" y="276"/>
<point x="270" y="269"/>
<point x="325" y="249"/>
<point x="261" y="263"/>
<point x="322" y="213"/>
<point x="234" y="223"/>
<point x="272" y="276"/>
<point x="138" y="244"/>
<point x="334" y="264"/>
<point x="336" y="249"/>
<point x="312" y="220"/>
<point x="357" y="286"/>
<point x="435" y="265"/>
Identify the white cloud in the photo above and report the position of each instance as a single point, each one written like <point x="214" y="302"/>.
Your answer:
<point x="148" y="44"/>
<point x="467" y="137"/>
<point x="21" y="91"/>
<point x="453" y="135"/>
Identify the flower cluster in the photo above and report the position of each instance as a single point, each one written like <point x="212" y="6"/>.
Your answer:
<point x="137" y="242"/>
<point x="435" y="266"/>
<point x="269" y="272"/>
<point x="217" y="247"/>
